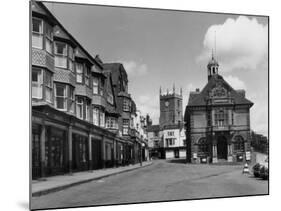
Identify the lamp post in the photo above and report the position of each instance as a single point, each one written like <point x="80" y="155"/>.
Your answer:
<point x="142" y="145"/>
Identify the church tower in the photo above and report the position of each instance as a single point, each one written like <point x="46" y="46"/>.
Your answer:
<point x="212" y="67"/>
<point x="170" y="108"/>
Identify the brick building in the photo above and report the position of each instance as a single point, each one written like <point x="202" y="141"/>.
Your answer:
<point x="78" y="106"/>
<point x="217" y="121"/>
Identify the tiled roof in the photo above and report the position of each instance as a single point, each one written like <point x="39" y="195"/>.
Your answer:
<point x="153" y="128"/>
<point x="199" y="99"/>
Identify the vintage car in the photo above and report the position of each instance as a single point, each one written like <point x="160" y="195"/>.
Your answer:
<point x="264" y="171"/>
<point x="258" y="166"/>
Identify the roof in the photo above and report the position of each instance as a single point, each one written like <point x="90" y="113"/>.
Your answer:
<point x="116" y="70"/>
<point x="153" y="128"/>
<point x="199" y="99"/>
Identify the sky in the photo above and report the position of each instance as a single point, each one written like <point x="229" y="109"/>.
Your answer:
<point x="162" y="48"/>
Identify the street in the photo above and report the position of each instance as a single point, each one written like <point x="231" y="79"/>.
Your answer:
<point x="163" y="180"/>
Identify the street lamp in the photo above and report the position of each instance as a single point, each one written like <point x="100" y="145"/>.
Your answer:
<point x="142" y="145"/>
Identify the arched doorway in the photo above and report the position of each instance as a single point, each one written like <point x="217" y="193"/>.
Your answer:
<point x="222" y="147"/>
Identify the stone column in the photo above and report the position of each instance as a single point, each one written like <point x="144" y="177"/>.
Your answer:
<point x="70" y="149"/>
<point x="229" y="152"/>
<point x="90" y="152"/>
<point x="42" y="151"/>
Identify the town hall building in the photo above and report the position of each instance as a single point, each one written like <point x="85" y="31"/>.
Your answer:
<point x="217" y="121"/>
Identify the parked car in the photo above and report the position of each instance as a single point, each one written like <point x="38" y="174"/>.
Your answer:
<point x="259" y="166"/>
<point x="264" y="171"/>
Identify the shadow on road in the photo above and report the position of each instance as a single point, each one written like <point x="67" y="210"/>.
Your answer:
<point x="178" y="161"/>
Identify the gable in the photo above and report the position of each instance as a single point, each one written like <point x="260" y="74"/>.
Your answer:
<point x="219" y="91"/>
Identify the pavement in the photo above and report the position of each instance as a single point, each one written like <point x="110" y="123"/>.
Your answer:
<point x="61" y="182"/>
<point x="162" y="181"/>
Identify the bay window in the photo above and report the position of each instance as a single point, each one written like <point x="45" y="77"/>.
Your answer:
<point x="71" y="59"/>
<point x="110" y="98"/>
<point x="126" y="123"/>
<point x="102" y="118"/>
<point x="79" y="73"/>
<point x="95" y="85"/>
<point x="88" y="110"/>
<point x="49" y="38"/>
<point x="60" y="96"/>
<point x="60" y="55"/>
<point x="111" y="123"/>
<point x="87" y="76"/>
<point x="71" y="99"/>
<point x="126" y="105"/>
<point x="48" y="86"/>
<point x="79" y="107"/>
<point x="95" y="116"/>
<point x="37" y="83"/>
<point x="37" y="33"/>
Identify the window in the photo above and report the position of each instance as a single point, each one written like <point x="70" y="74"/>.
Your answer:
<point x="221" y="117"/>
<point x="126" y="126"/>
<point x="79" y="73"/>
<point x="87" y="76"/>
<point x="238" y="144"/>
<point x="71" y="99"/>
<point x="49" y="38"/>
<point x="202" y="145"/>
<point x="102" y="118"/>
<point x="95" y="116"/>
<point x="37" y="82"/>
<point x="71" y="59"/>
<point x="170" y="141"/>
<point x="171" y="133"/>
<point x="101" y="87"/>
<point x="60" y="54"/>
<point x="48" y="86"/>
<point x="37" y="33"/>
<point x="95" y="85"/>
<point x="60" y="95"/>
<point x="126" y="105"/>
<point x="88" y="110"/>
<point x="111" y="123"/>
<point x="110" y="97"/>
<point x="79" y="107"/>
<point x="156" y="133"/>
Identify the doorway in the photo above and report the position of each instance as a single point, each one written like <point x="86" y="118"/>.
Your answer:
<point x="222" y="147"/>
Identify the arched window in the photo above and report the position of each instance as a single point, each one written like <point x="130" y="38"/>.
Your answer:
<point x="238" y="143"/>
<point x="202" y="145"/>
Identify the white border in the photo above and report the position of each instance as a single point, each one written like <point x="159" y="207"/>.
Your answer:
<point x="14" y="112"/>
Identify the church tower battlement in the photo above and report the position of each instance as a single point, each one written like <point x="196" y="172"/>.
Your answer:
<point x="170" y="107"/>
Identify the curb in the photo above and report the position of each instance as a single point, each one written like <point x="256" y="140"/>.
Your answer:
<point x="62" y="187"/>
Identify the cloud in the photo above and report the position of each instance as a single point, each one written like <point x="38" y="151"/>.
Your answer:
<point x="149" y="104"/>
<point x="235" y="82"/>
<point x="241" y="43"/>
<point x="135" y="69"/>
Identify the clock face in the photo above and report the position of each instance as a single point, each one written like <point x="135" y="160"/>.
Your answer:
<point x="167" y="103"/>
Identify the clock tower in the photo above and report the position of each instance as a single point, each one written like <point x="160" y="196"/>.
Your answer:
<point x="170" y="108"/>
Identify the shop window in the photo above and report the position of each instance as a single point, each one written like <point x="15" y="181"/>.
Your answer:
<point x="60" y="95"/>
<point x="37" y="33"/>
<point x="126" y="123"/>
<point x="60" y="55"/>
<point x="37" y="83"/>
<point x="171" y="133"/>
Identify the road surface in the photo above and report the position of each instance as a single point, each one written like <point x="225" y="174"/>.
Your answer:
<point x="161" y="181"/>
